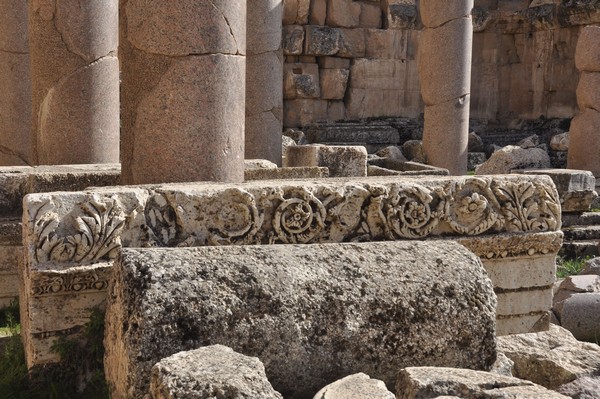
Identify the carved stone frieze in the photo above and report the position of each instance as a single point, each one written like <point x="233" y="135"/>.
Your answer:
<point x="305" y="212"/>
<point x="76" y="280"/>
<point x="510" y="245"/>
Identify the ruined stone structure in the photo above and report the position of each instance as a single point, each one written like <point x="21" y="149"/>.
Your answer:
<point x="183" y="91"/>
<point x="584" y="137"/>
<point x="264" y="80"/>
<point x="16" y="143"/>
<point x="512" y="223"/>
<point x="75" y="81"/>
<point x="357" y="59"/>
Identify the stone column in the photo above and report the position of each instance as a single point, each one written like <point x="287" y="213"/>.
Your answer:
<point x="15" y="85"/>
<point x="75" y="80"/>
<point x="264" y="80"/>
<point x="445" y="53"/>
<point x="584" y="136"/>
<point x="183" y="89"/>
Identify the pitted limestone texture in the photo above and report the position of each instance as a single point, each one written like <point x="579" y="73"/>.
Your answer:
<point x="66" y="231"/>
<point x="311" y="313"/>
<point x="75" y="81"/>
<point x="195" y="48"/>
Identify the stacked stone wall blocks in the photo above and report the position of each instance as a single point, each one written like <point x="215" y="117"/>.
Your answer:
<point x="77" y="231"/>
<point x="522" y="65"/>
<point x="584" y="136"/>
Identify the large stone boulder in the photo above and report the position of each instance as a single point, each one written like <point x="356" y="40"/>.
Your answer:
<point x="514" y="157"/>
<point x="436" y="382"/>
<point x="210" y="372"/>
<point x="311" y="313"/>
<point x="550" y="358"/>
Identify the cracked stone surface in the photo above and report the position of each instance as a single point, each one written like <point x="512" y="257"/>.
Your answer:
<point x="183" y="90"/>
<point x="74" y="80"/>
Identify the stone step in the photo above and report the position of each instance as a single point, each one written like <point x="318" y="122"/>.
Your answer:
<point x="579" y="249"/>
<point x="575" y="233"/>
<point x="580" y="219"/>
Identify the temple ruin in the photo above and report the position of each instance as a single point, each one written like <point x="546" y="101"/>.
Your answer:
<point x="314" y="189"/>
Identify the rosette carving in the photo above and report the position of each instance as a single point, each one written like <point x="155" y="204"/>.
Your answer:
<point x="235" y="219"/>
<point x="472" y="207"/>
<point x="528" y="207"/>
<point x="98" y="228"/>
<point x="65" y="283"/>
<point x="412" y="211"/>
<point x="300" y="217"/>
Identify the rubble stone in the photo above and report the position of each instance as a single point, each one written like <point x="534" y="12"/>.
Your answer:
<point x="511" y="157"/>
<point x="560" y="142"/>
<point x="551" y="358"/>
<point x="342" y="161"/>
<point x="208" y="372"/>
<point x="432" y="382"/>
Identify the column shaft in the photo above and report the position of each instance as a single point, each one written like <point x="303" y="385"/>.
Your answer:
<point x="16" y="146"/>
<point x="264" y="80"/>
<point x="445" y="54"/>
<point x="183" y="88"/>
<point x="75" y="80"/>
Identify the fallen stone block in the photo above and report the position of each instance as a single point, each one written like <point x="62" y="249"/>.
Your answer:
<point x="551" y="358"/>
<point x="576" y="188"/>
<point x="209" y="372"/>
<point x="581" y="316"/>
<point x="306" y="172"/>
<point x="312" y="314"/>
<point x="511" y="157"/>
<point x="342" y="161"/>
<point x="436" y="382"/>
<point x="356" y="386"/>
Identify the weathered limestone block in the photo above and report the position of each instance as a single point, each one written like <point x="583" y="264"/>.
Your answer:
<point x="321" y="40"/>
<point x="576" y="188"/>
<point x="196" y="50"/>
<point x="307" y="172"/>
<point x="63" y="231"/>
<point x="581" y="317"/>
<point x="551" y="358"/>
<point x="352" y="43"/>
<point x="342" y="161"/>
<point x="343" y="13"/>
<point x="75" y="81"/>
<point x="333" y="83"/>
<point x="296" y="12"/>
<point x="356" y="386"/>
<point x="311" y="313"/>
<point x="318" y="12"/>
<point x="293" y="40"/>
<point x="445" y="50"/>
<point x="370" y="15"/>
<point x="304" y="112"/>
<point x="584" y="142"/>
<point x="511" y="157"/>
<point x="588" y="89"/>
<point x="436" y="382"/>
<point x="301" y="81"/>
<point x="209" y="371"/>
<point x="587" y="54"/>
<point x="15" y="85"/>
<point x="400" y="14"/>
<point x="264" y="81"/>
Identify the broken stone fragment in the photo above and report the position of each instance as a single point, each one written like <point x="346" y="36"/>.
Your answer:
<point x="209" y="372"/>
<point x="356" y="386"/>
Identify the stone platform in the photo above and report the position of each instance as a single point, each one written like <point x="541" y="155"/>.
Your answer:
<point x="71" y="239"/>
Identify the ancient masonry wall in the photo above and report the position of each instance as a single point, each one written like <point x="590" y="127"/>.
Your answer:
<point x="349" y="59"/>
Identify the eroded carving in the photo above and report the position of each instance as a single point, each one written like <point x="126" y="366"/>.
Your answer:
<point x="67" y="282"/>
<point x="97" y="225"/>
<point x="161" y="219"/>
<point x="472" y="207"/>
<point x="300" y="217"/>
